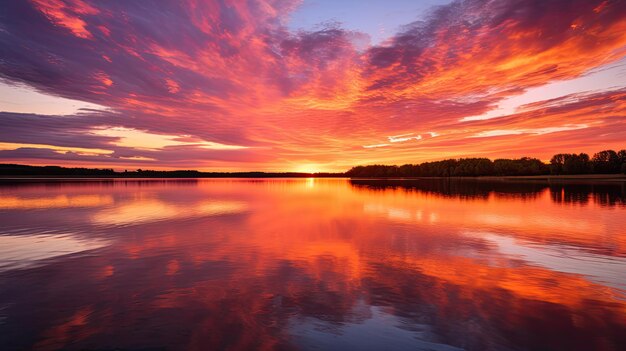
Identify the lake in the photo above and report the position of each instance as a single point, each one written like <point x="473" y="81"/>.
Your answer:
<point x="312" y="264"/>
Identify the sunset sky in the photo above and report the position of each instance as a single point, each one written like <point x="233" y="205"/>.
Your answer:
<point x="313" y="85"/>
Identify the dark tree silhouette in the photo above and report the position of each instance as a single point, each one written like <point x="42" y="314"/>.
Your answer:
<point x="622" y="156"/>
<point x="570" y="164"/>
<point x="522" y="166"/>
<point x="622" y="159"/>
<point x="556" y="163"/>
<point x="606" y="161"/>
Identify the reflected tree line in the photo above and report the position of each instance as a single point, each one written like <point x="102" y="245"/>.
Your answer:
<point x="602" y="193"/>
<point x="603" y="162"/>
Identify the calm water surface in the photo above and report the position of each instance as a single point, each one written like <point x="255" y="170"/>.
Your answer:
<point x="325" y="264"/>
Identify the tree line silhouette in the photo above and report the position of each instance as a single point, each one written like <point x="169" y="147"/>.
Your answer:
<point x="603" y="162"/>
<point x="57" y="171"/>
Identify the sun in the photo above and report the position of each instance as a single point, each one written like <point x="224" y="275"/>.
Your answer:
<point x="308" y="168"/>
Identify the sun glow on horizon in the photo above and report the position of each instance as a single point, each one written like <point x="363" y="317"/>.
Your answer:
<point x="308" y="168"/>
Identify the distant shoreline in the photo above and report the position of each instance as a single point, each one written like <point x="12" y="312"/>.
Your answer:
<point x="100" y="178"/>
<point x="17" y="171"/>
<point x="524" y="169"/>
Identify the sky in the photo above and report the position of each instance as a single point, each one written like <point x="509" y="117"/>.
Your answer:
<point x="313" y="85"/>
